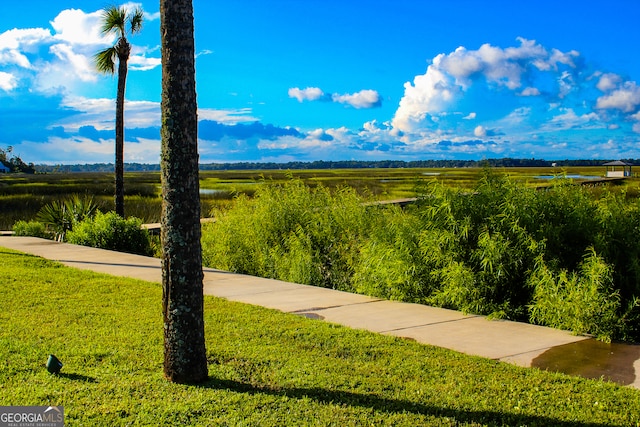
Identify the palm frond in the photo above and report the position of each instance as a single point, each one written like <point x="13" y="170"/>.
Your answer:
<point x="114" y="20"/>
<point x="135" y="19"/>
<point x="105" y="60"/>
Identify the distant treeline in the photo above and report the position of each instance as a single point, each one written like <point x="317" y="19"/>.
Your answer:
<point x="13" y="163"/>
<point x="340" y="164"/>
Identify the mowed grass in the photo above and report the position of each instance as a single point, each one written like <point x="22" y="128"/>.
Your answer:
<point x="266" y="368"/>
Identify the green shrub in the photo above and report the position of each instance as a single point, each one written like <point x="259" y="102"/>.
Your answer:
<point x="477" y="250"/>
<point x="110" y="231"/>
<point x="502" y="249"/>
<point x="393" y="262"/>
<point x="583" y="301"/>
<point x="31" y="228"/>
<point x="289" y="232"/>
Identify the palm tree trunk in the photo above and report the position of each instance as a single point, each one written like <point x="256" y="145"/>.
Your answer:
<point x="182" y="300"/>
<point x="123" y="57"/>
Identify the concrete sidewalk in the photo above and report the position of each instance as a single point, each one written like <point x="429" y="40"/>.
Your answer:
<point x="517" y="343"/>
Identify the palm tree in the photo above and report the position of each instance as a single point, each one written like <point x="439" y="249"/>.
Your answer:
<point x="118" y="21"/>
<point x="185" y="359"/>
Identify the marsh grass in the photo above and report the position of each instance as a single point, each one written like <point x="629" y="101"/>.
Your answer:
<point x="266" y="368"/>
<point x="22" y="196"/>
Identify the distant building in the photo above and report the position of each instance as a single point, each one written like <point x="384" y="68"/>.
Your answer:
<point x="4" y="169"/>
<point x="618" y="169"/>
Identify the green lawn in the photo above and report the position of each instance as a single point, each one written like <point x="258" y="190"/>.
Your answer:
<point x="266" y="367"/>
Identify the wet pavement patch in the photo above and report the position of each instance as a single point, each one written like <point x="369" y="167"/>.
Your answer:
<point x="592" y="359"/>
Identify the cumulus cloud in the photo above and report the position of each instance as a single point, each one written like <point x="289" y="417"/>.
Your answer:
<point x="71" y="42"/>
<point x="307" y="94"/>
<point x="364" y="99"/>
<point x="569" y="119"/>
<point x="482" y="132"/>
<point x="7" y="81"/>
<point x="143" y="63"/>
<point x="625" y="99"/>
<point x="77" y="27"/>
<point x="15" y="43"/>
<point x="450" y="76"/>
<point x="81" y="65"/>
<point x="530" y="91"/>
<point x="429" y="93"/>
<point x="608" y="82"/>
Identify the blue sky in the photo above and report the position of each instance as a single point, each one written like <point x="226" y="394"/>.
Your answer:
<point x="291" y="80"/>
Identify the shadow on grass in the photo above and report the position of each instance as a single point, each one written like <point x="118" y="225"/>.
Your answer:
<point x="77" y="377"/>
<point x="382" y="404"/>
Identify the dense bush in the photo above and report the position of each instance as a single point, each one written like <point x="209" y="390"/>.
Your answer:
<point x="583" y="301"/>
<point x="290" y="232"/>
<point x="566" y="256"/>
<point x="110" y="231"/>
<point x="31" y="228"/>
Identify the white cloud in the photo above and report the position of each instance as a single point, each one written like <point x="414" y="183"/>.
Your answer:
<point x="143" y="151"/>
<point x="96" y="112"/>
<point x="429" y="93"/>
<point x="608" y="82"/>
<point x="566" y="58"/>
<point x="308" y="94"/>
<point x="78" y="150"/>
<point x="450" y="76"/>
<point x="480" y="131"/>
<point x="81" y="66"/>
<point x="502" y="66"/>
<point x="470" y="116"/>
<point x="530" y="91"/>
<point x="77" y="27"/>
<point x="142" y="63"/>
<point x="569" y="119"/>
<point x="363" y="99"/>
<point x="566" y="84"/>
<point x="625" y="99"/>
<point x="71" y="45"/>
<point x="71" y="150"/>
<point x="8" y="81"/>
<point x="100" y="113"/>
<point x="204" y="52"/>
<point x="483" y="132"/>
<point x="14" y="42"/>
<point x="373" y="128"/>
<point x="151" y="16"/>
<point x="242" y="115"/>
